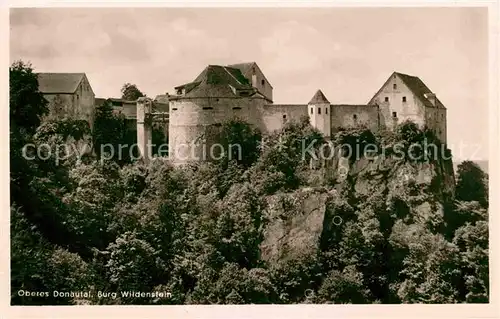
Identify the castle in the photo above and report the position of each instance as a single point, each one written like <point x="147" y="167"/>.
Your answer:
<point x="220" y="93"/>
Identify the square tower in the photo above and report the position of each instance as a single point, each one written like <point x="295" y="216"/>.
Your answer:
<point x="319" y="113"/>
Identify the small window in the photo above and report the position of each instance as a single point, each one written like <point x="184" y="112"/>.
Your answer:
<point x="404" y="98"/>
<point x="386" y="99"/>
<point x="174" y="109"/>
<point x="312" y="112"/>
<point x="326" y="111"/>
<point x="395" y="86"/>
<point x="208" y="108"/>
<point x="263" y="82"/>
<point x="284" y="116"/>
<point x="319" y="110"/>
<point x="394" y="114"/>
<point x="236" y="108"/>
<point x="354" y="117"/>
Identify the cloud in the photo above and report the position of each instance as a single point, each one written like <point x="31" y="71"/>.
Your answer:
<point x="303" y="49"/>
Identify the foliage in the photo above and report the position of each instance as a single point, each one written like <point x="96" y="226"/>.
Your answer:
<point x="241" y="142"/>
<point x="471" y="183"/>
<point x="196" y="231"/>
<point x="130" y="92"/>
<point x="26" y="102"/>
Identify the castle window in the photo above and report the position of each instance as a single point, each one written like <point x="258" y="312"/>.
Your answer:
<point x="312" y="112"/>
<point x="236" y="108"/>
<point x="319" y="110"/>
<point x="404" y="98"/>
<point x="394" y="114"/>
<point x="354" y="117"/>
<point x="394" y="86"/>
<point x="208" y="108"/>
<point x="174" y="109"/>
<point x="284" y="116"/>
<point x="263" y="82"/>
<point x="386" y="99"/>
<point x="326" y="111"/>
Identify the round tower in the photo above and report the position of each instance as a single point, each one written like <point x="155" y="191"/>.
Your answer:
<point x="319" y="113"/>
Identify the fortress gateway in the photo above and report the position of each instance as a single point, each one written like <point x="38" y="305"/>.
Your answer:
<point x="242" y="91"/>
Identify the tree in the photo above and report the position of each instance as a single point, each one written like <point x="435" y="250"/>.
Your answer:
<point x="240" y="141"/>
<point x="471" y="183"/>
<point x="27" y="104"/>
<point x="130" y="92"/>
<point x="343" y="287"/>
<point x="112" y="130"/>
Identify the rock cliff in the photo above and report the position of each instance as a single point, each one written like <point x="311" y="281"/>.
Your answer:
<point x="299" y="222"/>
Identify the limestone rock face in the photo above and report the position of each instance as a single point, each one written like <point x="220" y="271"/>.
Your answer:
<point x="295" y="223"/>
<point x="414" y="192"/>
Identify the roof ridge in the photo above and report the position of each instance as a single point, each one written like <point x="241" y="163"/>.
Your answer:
<point x="405" y="74"/>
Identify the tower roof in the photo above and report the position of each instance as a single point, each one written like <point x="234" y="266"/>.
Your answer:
<point x="319" y="97"/>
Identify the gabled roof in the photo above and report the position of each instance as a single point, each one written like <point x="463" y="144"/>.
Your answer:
<point x="59" y="82"/>
<point x="217" y="81"/>
<point x="245" y="69"/>
<point x="419" y="89"/>
<point x="416" y="86"/>
<point x="319" y="97"/>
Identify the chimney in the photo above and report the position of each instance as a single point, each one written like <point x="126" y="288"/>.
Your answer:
<point x="431" y="97"/>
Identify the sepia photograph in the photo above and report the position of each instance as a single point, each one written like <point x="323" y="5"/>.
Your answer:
<point x="247" y="156"/>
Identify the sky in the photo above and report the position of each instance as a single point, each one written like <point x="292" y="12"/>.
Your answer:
<point x="348" y="53"/>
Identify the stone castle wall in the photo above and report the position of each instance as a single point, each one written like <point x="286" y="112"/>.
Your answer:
<point x="274" y="116"/>
<point x="436" y="120"/>
<point x="78" y="106"/>
<point x="397" y="104"/>
<point x="354" y="115"/>
<point x="195" y="122"/>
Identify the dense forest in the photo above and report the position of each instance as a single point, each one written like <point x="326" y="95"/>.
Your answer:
<point x="81" y="223"/>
